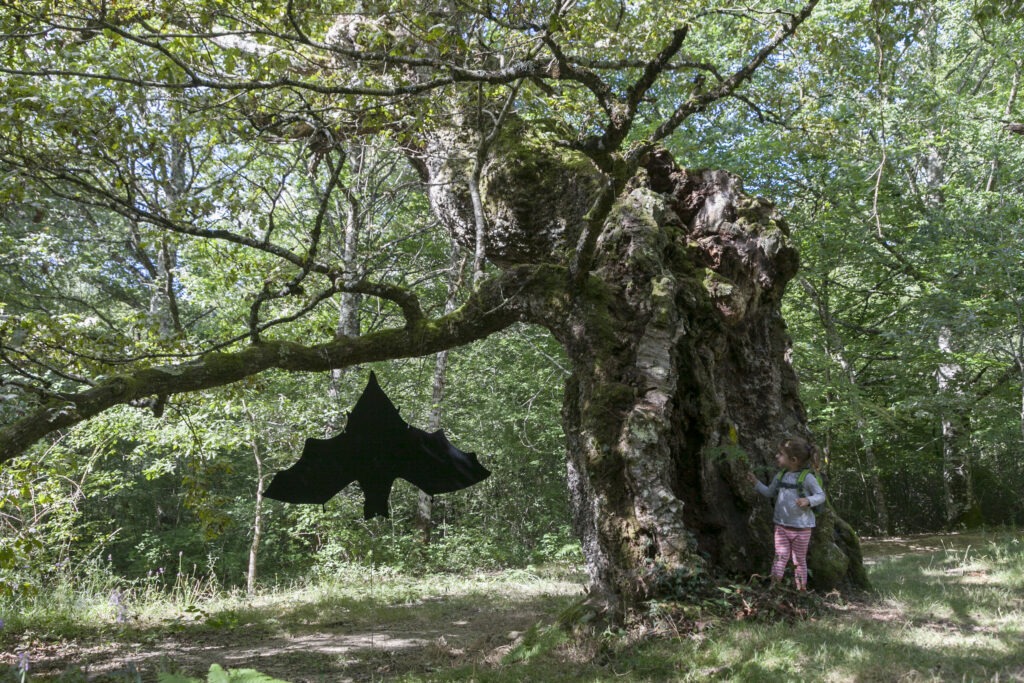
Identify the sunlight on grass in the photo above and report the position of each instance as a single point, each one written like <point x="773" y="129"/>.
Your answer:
<point x="930" y="619"/>
<point x="952" y="614"/>
<point x="100" y="602"/>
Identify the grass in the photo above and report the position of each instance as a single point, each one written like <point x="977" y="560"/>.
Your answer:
<point x="952" y="612"/>
<point x="955" y="614"/>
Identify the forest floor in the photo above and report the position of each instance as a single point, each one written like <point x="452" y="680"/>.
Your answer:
<point x="379" y="629"/>
<point x="474" y="628"/>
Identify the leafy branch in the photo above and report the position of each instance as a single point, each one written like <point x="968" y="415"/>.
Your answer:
<point x="496" y="304"/>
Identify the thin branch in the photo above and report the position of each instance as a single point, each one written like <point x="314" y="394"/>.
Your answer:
<point x="699" y="100"/>
<point x="561" y="68"/>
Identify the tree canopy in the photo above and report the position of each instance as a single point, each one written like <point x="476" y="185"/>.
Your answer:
<point x="234" y="124"/>
<point x="196" y="195"/>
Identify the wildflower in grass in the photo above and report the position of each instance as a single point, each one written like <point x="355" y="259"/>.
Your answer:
<point x="115" y="600"/>
<point x="23" y="664"/>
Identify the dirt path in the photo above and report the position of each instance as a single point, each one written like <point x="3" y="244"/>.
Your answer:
<point x="334" y="645"/>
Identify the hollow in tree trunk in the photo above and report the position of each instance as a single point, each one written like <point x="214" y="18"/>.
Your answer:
<point x="681" y="377"/>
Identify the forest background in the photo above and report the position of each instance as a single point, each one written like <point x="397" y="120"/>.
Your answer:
<point x="887" y="133"/>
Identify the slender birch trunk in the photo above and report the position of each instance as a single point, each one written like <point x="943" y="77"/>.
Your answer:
<point x="349" y="302"/>
<point x="257" y="517"/>
<point x="836" y="350"/>
<point x="957" y="489"/>
<point x="425" y="506"/>
<point x="1011" y="101"/>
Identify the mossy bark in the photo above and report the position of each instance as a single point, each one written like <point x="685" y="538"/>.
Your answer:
<point x="681" y="384"/>
<point x="681" y="378"/>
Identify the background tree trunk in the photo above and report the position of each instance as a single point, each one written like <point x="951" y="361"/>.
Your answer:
<point x="957" y="487"/>
<point x="424" y="501"/>
<point x="836" y="349"/>
<point x="349" y="323"/>
<point x="257" y="513"/>
<point x="425" y="505"/>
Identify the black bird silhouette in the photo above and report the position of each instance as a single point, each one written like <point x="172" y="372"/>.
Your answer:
<point x="376" y="447"/>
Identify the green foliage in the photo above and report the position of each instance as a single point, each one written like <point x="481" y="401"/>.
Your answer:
<point x="220" y="675"/>
<point x="536" y="642"/>
<point x="879" y="133"/>
<point x="140" y="226"/>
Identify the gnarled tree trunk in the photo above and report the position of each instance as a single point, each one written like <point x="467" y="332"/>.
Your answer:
<point x="681" y="379"/>
<point x="680" y="364"/>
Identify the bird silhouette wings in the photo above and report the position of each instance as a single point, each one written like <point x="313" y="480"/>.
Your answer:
<point x="376" y="447"/>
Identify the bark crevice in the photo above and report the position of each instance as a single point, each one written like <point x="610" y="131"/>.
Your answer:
<point x="680" y="377"/>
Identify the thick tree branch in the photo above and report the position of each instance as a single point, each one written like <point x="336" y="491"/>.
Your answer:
<point x="562" y="68"/>
<point x="405" y="299"/>
<point x="447" y="73"/>
<point x="583" y="256"/>
<point x="497" y="303"/>
<point x="621" y="112"/>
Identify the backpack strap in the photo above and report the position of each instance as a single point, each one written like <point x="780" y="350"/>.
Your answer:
<point x="800" y="482"/>
<point x="799" y="485"/>
<point x="816" y="509"/>
<point x="786" y="484"/>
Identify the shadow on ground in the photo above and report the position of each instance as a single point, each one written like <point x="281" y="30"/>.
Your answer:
<point x="326" y="640"/>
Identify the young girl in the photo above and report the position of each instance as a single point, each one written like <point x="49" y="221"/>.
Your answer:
<point x="794" y="519"/>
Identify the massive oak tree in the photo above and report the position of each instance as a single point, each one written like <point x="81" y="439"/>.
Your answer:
<point x="537" y="131"/>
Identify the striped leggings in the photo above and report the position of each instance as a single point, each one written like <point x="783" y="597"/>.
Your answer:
<point x="791" y="544"/>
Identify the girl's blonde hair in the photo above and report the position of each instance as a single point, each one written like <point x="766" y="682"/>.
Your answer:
<point x="805" y="453"/>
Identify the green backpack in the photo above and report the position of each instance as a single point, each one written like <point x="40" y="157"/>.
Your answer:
<point x="799" y="486"/>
